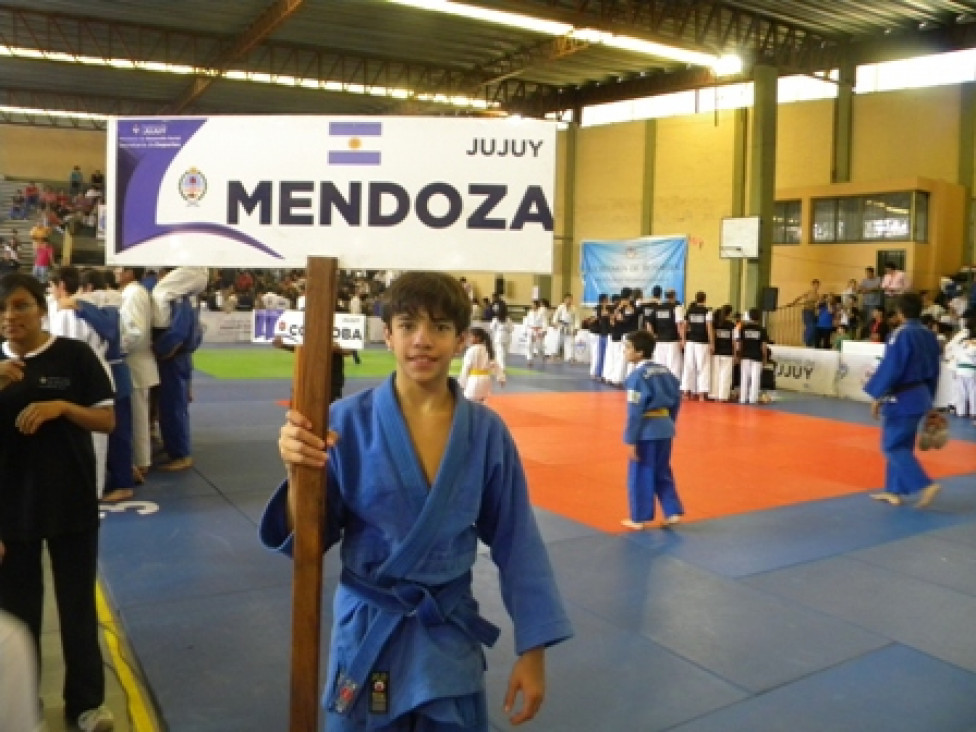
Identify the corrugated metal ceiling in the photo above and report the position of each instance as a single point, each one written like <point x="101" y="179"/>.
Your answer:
<point x="382" y="44"/>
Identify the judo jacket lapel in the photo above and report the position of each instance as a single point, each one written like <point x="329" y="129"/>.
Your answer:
<point x="386" y="590"/>
<point x="422" y="536"/>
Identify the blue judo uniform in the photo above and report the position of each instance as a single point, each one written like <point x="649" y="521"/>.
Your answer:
<point x="105" y="322"/>
<point x="906" y="382"/>
<point x="404" y="610"/>
<point x="653" y="401"/>
<point x="174" y="347"/>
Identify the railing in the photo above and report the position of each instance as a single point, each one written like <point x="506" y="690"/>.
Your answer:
<point x="785" y="325"/>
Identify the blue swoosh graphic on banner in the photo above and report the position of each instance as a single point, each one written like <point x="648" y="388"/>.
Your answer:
<point x="139" y="174"/>
<point x="609" y="266"/>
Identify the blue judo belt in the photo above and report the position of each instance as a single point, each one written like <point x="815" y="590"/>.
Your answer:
<point x="431" y="606"/>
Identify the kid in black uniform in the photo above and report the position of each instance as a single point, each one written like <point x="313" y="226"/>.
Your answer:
<point x="754" y="349"/>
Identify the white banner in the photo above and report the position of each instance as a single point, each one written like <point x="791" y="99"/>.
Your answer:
<point x="375" y="192"/>
<point x="221" y="327"/>
<point x="810" y="370"/>
<point x="830" y="373"/>
<point x="349" y="331"/>
<point x="858" y="361"/>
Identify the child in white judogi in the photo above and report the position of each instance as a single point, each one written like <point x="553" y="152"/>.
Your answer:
<point x="536" y="322"/>
<point x="478" y="367"/>
<point x="961" y="353"/>
<point x="564" y="320"/>
<point x="501" y="339"/>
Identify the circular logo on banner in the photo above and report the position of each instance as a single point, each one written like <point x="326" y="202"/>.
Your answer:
<point x="291" y="327"/>
<point x="193" y="186"/>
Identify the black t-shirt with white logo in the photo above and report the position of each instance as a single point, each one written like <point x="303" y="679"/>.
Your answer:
<point x="47" y="480"/>
<point x="753" y="335"/>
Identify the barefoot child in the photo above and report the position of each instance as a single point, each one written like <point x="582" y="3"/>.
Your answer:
<point x="653" y="400"/>
<point x="416" y="475"/>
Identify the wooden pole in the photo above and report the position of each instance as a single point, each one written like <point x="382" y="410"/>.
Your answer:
<point x="313" y="369"/>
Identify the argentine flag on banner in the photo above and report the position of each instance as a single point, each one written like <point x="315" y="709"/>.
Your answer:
<point x="347" y="143"/>
<point x="609" y="266"/>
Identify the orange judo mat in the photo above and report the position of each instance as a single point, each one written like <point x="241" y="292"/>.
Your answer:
<point x="726" y="458"/>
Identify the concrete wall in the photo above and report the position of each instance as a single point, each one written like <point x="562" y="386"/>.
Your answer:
<point x="913" y="132"/>
<point x="49" y="154"/>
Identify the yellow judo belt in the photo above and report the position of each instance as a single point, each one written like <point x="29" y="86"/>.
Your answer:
<point x="662" y="412"/>
<point x="479" y="372"/>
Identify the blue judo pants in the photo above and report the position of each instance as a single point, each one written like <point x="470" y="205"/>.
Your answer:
<point x="120" y="447"/>
<point x="903" y="473"/>
<point x="174" y="404"/>
<point x="650" y="476"/>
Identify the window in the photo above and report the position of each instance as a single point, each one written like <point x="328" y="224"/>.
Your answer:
<point x="825" y="219"/>
<point x="897" y="216"/>
<point x="920" y="230"/>
<point x="786" y="222"/>
<point x="888" y="216"/>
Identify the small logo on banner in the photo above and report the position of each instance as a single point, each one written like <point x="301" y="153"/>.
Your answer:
<point x="347" y="141"/>
<point x="149" y="128"/>
<point x="193" y="186"/>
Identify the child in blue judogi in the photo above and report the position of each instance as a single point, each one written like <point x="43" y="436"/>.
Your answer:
<point x="416" y="475"/>
<point x="903" y="389"/>
<point x="653" y="400"/>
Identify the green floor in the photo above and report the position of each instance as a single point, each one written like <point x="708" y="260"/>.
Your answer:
<point x="255" y="362"/>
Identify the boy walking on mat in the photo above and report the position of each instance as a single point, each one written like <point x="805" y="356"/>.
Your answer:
<point x="653" y="400"/>
<point x="416" y="475"/>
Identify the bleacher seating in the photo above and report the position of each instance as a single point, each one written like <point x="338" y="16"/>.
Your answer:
<point x="86" y="249"/>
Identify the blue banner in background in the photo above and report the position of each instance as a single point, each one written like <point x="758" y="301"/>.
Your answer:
<point x="609" y="266"/>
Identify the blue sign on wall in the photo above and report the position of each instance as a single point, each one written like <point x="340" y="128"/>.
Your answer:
<point x="609" y="266"/>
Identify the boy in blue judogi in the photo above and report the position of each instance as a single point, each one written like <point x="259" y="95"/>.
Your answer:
<point x="653" y="400"/>
<point x="417" y="475"/>
<point x="903" y="389"/>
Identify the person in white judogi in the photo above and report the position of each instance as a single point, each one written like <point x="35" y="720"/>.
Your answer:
<point x="501" y="329"/>
<point x="961" y="354"/>
<point x="564" y="320"/>
<point x="135" y="315"/>
<point x="536" y="322"/>
<point x="478" y="367"/>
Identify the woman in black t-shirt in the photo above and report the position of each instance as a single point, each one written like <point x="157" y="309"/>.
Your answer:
<point x="53" y="394"/>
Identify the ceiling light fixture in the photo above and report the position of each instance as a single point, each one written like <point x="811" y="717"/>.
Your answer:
<point x="499" y="17"/>
<point x="246" y="76"/>
<point x="589" y="35"/>
<point x="58" y="113"/>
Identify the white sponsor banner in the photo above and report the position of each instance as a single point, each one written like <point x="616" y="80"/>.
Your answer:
<point x="858" y="361"/>
<point x="349" y="331"/>
<point x="219" y="327"/>
<point x="810" y="370"/>
<point x="375" y="192"/>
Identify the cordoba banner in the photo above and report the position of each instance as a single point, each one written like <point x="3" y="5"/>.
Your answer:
<point x="375" y="192"/>
<point x="609" y="266"/>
